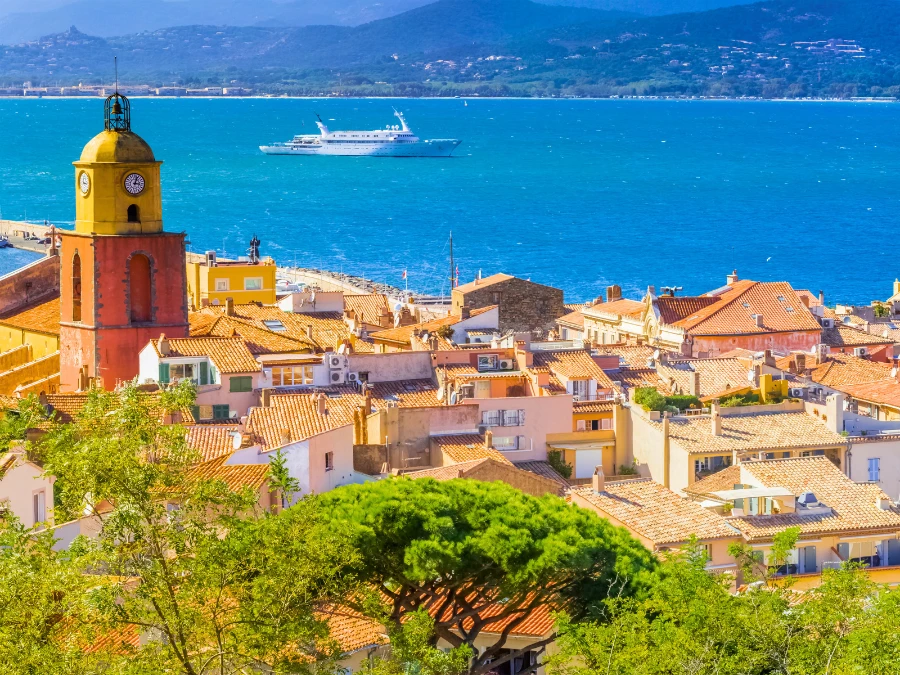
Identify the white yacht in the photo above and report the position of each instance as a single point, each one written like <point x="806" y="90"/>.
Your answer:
<point x="393" y="141"/>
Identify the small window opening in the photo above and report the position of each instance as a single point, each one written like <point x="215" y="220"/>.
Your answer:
<point x="134" y="214"/>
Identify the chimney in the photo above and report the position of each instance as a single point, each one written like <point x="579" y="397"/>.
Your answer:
<point x="265" y="399"/>
<point x="613" y="293"/>
<point x="883" y="502"/>
<point x="768" y="359"/>
<point x="285" y="436"/>
<point x="800" y="360"/>
<point x="732" y="278"/>
<point x="367" y="404"/>
<point x="309" y="333"/>
<point x="651" y="290"/>
<point x="805" y="300"/>
<point x="488" y="439"/>
<point x="598" y="480"/>
<point x="716" y="424"/>
<point x="822" y="298"/>
<point x="164" y="348"/>
<point x="229" y="306"/>
<point x="695" y="384"/>
<point x="322" y="404"/>
<point x="465" y="312"/>
<point x="759" y="320"/>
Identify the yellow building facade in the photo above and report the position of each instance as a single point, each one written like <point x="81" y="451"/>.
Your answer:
<point x="243" y="282"/>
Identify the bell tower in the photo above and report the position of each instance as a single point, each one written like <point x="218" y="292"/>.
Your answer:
<point x="123" y="278"/>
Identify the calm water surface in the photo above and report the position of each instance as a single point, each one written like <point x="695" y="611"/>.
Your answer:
<point x="576" y="194"/>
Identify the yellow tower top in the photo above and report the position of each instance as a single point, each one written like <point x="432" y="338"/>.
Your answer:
<point x="117" y="179"/>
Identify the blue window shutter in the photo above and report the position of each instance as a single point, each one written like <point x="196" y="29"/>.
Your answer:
<point x="843" y="551"/>
<point x="809" y="563"/>
<point x="163" y="373"/>
<point x="204" y="372"/>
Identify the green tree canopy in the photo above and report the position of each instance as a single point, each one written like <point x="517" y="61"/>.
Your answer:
<point x="472" y="553"/>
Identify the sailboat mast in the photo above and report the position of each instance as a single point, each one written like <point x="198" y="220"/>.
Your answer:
<point x="451" y="262"/>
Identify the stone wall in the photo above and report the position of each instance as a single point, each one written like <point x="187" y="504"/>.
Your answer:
<point x="524" y="305"/>
<point x="370" y="459"/>
<point x="36" y="281"/>
<point x="527" y="482"/>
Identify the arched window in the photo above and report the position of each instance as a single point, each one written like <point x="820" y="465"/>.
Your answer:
<point x="76" y="287"/>
<point x="139" y="288"/>
<point x="134" y="214"/>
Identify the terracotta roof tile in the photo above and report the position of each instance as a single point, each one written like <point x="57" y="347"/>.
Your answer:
<point x="122" y="641"/>
<point x="675" y="309"/>
<point x="481" y="283"/>
<point x="228" y="355"/>
<point x="655" y="512"/>
<point x="725" y="479"/>
<point x="636" y="378"/>
<point x="68" y="405"/>
<point x="258" y="340"/>
<point x="403" y="334"/>
<point x="731" y="312"/>
<point x="371" y="308"/>
<point x="42" y="317"/>
<point x="296" y="417"/>
<point x="545" y="470"/>
<point x="840" y="370"/>
<point x="236" y="476"/>
<point x="752" y="432"/>
<point x="885" y="392"/>
<point x="572" y="319"/>
<point x="212" y="440"/>
<point x="846" y="336"/>
<point x="466" y="447"/>
<point x="634" y="356"/>
<point x="592" y="406"/>
<point x="328" y="328"/>
<point x="716" y="375"/>
<point x="573" y="364"/>
<point x="351" y="630"/>
<point x="853" y="504"/>
<point x="622" y="307"/>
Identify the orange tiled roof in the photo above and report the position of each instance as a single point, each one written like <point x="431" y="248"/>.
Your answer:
<point x="228" y="355"/>
<point x="328" y="328"/>
<point x="853" y="504"/>
<point x="634" y="356"/>
<point x="369" y="308"/>
<point x="591" y="407"/>
<point x="68" y="405"/>
<point x="258" y="340"/>
<point x="41" y="316"/>
<point x="840" y="370"/>
<point x="296" y="417"/>
<point x="636" y="378"/>
<point x="122" y="641"/>
<point x="545" y="470"/>
<point x="351" y="630"/>
<point x="481" y="283"/>
<point x="572" y="319"/>
<point x="717" y="375"/>
<point x="420" y="393"/>
<point x="884" y="392"/>
<point x="236" y="476"/>
<point x="403" y="334"/>
<point x="731" y="312"/>
<point x="622" y="307"/>
<point x="466" y="447"/>
<point x="675" y="309"/>
<point x="725" y="479"/>
<point x="655" y="512"/>
<point x="211" y="440"/>
<point x="752" y="432"/>
<point x="572" y="364"/>
<point x="846" y="336"/>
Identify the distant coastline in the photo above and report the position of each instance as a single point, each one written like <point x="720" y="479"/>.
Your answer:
<point x="857" y="99"/>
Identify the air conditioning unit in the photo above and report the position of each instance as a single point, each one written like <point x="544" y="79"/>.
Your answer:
<point x="335" y="361"/>
<point x="797" y="393"/>
<point x="827" y="323"/>
<point x="506" y="364"/>
<point x="482" y="428"/>
<point x="861" y="351"/>
<point x="337" y="377"/>
<point x="352" y="377"/>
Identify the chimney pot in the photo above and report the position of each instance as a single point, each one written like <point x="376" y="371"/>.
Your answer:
<point x="322" y="404"/>
<point x="613" y="293"/>
<point x="465" y="312"/>
<point x="488" y="439"/>
<point x="309" y="331"/>
<point x="598" y="480"/>
<point x="716" y="424"/>
<point x="164" y="346"/>
<point x="695" y="384"/>
<point x="285" y="436"/>
<point x="732" y="278"/>
<point x="229" y="306"/>
<point x="759" y="320"/>
<point x="266" y="398"/>
<point x="822" y="298"/>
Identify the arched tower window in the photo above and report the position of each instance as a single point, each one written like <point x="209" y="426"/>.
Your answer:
<point x="76" y="287"/>
<point x="134" y="214"/>
<point x="139" y="288"/>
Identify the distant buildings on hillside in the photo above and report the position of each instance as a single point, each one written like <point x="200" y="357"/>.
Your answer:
<point x="26" y="90"/>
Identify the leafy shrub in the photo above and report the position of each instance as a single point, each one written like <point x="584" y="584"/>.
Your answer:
<point x="555" y="459"/>
<point x="650" y="399"/>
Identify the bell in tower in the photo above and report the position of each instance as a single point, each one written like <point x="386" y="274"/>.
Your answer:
<point x="122" y="278"/>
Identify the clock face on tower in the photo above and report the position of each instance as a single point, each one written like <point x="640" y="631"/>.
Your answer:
<point x="134" y="183"/>
<point x="84" y="183"/>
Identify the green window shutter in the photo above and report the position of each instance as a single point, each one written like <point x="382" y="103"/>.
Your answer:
<point x="241" y="384"/>
<point x="163" y="373"/>
<point x="204" y="372"/>
<point x="221" y="412"/>
<point x="195" y="411"/>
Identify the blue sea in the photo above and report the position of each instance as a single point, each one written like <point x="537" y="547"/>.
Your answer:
<point x="575" y="193"/>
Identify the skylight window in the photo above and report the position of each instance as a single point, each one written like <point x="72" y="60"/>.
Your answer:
<point x="274" y="324"/>
<point x="788" y="309"/>
<point x="780" y="298"/>
<point x="746" y="305"/>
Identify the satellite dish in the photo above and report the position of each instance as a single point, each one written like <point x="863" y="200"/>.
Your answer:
<point x="655" y="353"/>
<point x="751" y="376"/>
<point x="846" y="320"/>
<point x="440" y="394"/>
<point x="237" y="440"/>
<point x="398" y="307"/>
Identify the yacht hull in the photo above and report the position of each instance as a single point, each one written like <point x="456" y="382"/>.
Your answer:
<point x="431" y="148"/>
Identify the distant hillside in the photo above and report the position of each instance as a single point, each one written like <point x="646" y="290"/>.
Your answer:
<point x="499" y="47"/>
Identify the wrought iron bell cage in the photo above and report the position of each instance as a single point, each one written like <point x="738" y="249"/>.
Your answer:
<point x="117" y="113"/>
